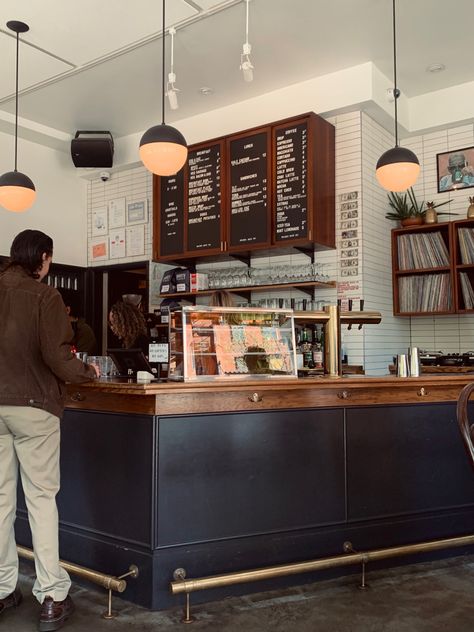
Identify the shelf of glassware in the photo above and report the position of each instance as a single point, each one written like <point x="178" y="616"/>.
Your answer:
<point x="305" y="286"/>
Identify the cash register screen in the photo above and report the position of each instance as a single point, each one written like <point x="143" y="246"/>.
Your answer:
<point x="129" y="361"/>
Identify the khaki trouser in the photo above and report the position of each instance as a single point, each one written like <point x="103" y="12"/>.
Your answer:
<point x="30" y="437"/>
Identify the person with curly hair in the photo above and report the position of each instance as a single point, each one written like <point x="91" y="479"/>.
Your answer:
<point x="128" y="323"/>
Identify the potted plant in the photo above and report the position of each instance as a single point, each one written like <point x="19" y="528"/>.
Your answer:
<point x="409" y="212"/>
<point x="403" y="210"/>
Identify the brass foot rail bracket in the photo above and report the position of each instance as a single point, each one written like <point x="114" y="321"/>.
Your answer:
<point x="187" y="586"/>
<point x="109" y="582"/>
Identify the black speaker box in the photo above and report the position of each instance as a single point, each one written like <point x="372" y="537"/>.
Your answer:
<point x="96" y="149"/>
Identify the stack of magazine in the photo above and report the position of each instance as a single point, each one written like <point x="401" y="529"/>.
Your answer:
<point x="425" y="293"/>
<point x="418" y="251"/>
<point x="466" y="244"/>
<point x="467" y="291"/>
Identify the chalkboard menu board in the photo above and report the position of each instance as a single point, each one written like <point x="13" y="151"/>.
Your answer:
<point x="172" y="214"/>
<point x="204" y="198"/>
<point x="291" y="193"/>
<point x="248" y="190"/>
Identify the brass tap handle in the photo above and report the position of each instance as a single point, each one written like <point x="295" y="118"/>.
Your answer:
<point x="423" y="392"/>
<point x="78" y="397"/>
<point x="255" y="397"/>
<point x="344" y="395"/>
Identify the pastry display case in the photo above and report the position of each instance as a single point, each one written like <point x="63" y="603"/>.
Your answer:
<point x="227" y="343"/>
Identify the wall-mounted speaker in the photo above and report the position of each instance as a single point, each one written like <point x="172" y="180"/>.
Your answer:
<point x="92" y="149"/>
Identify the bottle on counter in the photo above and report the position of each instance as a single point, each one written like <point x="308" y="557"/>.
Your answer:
<point x="318" y="348"/>
<point x="306" y="348"/>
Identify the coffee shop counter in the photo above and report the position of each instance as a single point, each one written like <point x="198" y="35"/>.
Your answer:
<point x="171" y="398"/>
<point x="221" y="477"/>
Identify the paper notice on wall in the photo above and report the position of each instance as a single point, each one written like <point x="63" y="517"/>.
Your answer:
<point x="135" y="240"/>
<point x="99" y="222"/>
<point x="117" y="243"/>
<point x="98" y="249"/>
<point x="158" y="352"/>
<point x="117" y="213"/>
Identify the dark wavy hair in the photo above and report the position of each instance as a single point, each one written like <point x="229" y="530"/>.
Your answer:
<point x="27" y="251"/>
<point x="127" y="322"/>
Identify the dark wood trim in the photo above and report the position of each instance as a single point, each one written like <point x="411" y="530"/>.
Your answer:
<point x="198" y="397"/>
<point x="321" y="195"/>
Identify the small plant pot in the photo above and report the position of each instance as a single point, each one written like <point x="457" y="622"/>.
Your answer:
<point x="411" y="221"/>
<point x="431" y="216"/>
<point x="470" y="211"/>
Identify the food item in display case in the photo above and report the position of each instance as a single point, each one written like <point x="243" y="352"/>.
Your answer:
<point x="226" y="343"/>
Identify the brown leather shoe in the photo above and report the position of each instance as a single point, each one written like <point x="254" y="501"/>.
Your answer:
<point x="12" y="601"/>
<point x="55" y="613"/>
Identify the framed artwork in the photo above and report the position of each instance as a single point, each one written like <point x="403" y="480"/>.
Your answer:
<point x="137" y="212"/>
<point x="455" y="169"/>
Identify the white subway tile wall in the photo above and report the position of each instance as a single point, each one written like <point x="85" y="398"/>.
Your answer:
<point x="133" y="184"/>
<point x="359" y="143"/>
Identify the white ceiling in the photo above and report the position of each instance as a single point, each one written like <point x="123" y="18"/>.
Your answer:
<point x="96" y="64"/>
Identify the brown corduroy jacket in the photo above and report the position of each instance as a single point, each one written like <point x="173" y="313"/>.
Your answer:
<point x="35" y="344"/>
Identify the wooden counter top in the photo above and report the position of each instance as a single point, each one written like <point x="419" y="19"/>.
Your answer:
<point x="178" y="398"/>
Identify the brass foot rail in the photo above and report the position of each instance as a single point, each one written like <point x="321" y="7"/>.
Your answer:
<point x="109" y="582"/>
<point x="183" y="585"/>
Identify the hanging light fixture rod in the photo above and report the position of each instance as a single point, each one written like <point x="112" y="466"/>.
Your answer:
<point x="163" y="35"/>
<point x="17" y="27"/>
<point x="17" y="191"/>
<point x="398" y="168"/>
<point x="396" y="91"/>
<point x="163" y="148"/>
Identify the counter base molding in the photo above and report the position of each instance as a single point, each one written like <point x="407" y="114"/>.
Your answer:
<point x="270" y="484"/>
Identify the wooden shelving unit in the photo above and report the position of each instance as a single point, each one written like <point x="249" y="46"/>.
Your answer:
<point x="449" y="233"/>
<point x="459" y="266"/>
<point x="307" y="286"/>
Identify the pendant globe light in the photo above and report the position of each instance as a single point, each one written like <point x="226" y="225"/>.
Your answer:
<point x="17" y="191"/>
<point x="163" y="148"/>
<point x="398" y="168"/>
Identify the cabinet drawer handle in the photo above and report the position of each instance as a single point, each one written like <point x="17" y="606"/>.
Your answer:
<point x="255" y="397"/>
<point x="344" y="395"/>
<point x="423" y="392"/>
<point x="78" y="397"/>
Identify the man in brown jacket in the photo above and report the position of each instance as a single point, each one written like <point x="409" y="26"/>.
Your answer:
<point x="35" y="362"/>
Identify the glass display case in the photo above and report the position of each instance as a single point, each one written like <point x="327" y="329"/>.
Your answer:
<point x="227" y="343"/>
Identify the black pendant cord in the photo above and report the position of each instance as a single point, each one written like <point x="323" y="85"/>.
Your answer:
<point x="163" y="69"/>
<point x="16" y="100"/>
<point x="396" y="92"/>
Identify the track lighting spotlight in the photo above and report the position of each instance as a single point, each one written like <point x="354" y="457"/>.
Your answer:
<point x="171" y="89"/>
<point x="245" y="64"/>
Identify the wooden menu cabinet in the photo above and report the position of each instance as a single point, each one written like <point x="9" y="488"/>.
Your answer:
<point x="261" y="189"/>
<point x="433" y="269"/>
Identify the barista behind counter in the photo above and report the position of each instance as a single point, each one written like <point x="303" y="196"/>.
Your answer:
<point x="129" y="325"/>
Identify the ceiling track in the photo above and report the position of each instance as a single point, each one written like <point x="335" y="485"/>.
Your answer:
<point x="117" y="53"/>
